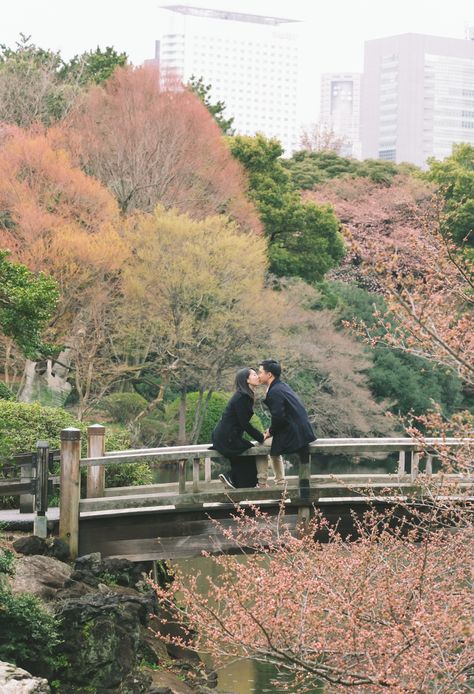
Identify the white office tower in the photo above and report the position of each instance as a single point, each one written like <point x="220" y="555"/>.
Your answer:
<point x="251" y="62"/>
<point x="417" y="97"/>
<point x="340" y="110"/>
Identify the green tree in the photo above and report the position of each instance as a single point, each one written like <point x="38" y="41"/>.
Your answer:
<point x="27" y="302"/>
<point x="454" y="177"/>
<point x="410" y="383"/>
<point x="31" y="89"/>
<point x="93" y="67"/>
<point x="309" y="169"/>
<point x="37" y="85"/>
<point x="304" y="239"/>
<point x="203" y="91"/>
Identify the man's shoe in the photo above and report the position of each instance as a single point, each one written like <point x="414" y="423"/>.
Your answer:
<point x="226" y="480"/>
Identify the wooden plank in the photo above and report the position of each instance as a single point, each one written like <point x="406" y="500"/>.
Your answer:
<point x="14" y="488"/>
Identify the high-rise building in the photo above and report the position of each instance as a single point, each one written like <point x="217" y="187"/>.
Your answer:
<point x="340" y="109"/>
<point x="417" y="97"/>
<point x="251" y="63"/>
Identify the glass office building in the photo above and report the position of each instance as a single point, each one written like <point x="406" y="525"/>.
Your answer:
<point x="417" y="97"/>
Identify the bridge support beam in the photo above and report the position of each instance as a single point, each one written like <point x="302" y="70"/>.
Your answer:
<point x="70" y="489"/>
<point x="95" y="449"/>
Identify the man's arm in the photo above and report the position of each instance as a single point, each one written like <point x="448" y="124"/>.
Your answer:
<point x="276" y="405"/>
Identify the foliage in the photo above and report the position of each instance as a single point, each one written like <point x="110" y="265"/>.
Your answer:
<point x="27" y="303"/>
<point x="454" y="178"/>
<point x="167" y="149"/>
<point x="58" y="220"/>
<point x="215" y="406"/>
<point x="37" y="85"/>
<point x="203" y="91"/>
<point x="196" y="317"/>
<point x="123" y="407"/>
<point x="29" y="634"/>
<point x="327" y="367"/>
<point x="410" y="383"/>
<point x="5" y="392"/>
<point x="309" y="169"/>
<point x="128" y="474"/>
<point x="303" y="239"/>
<point x="31" y="89"/>
<point x="93" y="67"/>
<point x="398" y="249"/>
<point x="7" y="565"/>
<point x="23" y="424"/>
<point x="388" y="609"/>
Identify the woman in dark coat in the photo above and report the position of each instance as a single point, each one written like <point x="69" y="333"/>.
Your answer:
<point x="227" y="437"/>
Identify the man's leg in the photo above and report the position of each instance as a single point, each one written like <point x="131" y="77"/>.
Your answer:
<point x="278" y="468"/>
<point x="277" y="464"/>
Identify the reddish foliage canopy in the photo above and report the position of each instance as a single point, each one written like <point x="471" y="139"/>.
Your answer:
<point x="152" y="141"/>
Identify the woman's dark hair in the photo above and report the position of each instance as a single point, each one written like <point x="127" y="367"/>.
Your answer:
<point x="241" y="385"/>
<point x="271" y="366"/>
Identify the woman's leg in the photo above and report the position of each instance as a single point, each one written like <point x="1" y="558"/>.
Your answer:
<point x="243" y="471"/>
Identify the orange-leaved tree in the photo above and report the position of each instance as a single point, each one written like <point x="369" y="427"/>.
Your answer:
<point x="56" y="219"/>
<point x="150" y="141"/>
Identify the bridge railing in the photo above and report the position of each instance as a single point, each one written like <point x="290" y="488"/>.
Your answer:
<point x="97" y="460"/>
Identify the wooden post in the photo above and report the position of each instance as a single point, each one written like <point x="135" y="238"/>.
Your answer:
<point x="40" y="523"/>
<point x="401" y="463"/>
<point x="182" y="477"/>
<point x="70" y="493"/>
<point x="207" y="470"/>
<point x="95" y="449"/>
<point x="429" y="465"/>
<point x="195" y="475"/>
<point x="415" y="463"/>
<point x="26" y="475"/>
<point x="304" y="475"/>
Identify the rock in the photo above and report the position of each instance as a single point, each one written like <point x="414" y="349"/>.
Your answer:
<point x="137" y="682"/>
<point x="42" y="576"/>
<point x="51" y="547"/>
<point x="14" y="680"/>
<point x="101" y="633"/>
<point x="30" y="545"/>
<point x="57" y="548"/>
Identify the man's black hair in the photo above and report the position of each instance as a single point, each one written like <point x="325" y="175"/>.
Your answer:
<point x="271" y="366"/>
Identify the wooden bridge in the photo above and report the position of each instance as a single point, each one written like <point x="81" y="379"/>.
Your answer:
<point x="174" y="520"/>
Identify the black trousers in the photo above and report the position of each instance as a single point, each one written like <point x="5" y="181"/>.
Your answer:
<point x="243" y="470"/>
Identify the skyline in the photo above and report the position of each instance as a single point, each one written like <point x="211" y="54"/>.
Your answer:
<point x="333" y="42"/>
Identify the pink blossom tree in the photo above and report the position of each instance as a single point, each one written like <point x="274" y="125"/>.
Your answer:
<point x="388" y="609"/>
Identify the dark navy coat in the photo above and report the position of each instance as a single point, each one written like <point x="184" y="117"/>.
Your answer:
<point x="227" y="437"/>
<point x="290" y="426"/>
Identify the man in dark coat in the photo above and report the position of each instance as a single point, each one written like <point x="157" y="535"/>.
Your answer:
<point x="290" y="428"/>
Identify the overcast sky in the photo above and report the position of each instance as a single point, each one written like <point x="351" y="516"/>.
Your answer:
<point x="332" y="33"/>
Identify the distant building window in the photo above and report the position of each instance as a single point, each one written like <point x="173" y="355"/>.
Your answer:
<point x="388" y="154"/>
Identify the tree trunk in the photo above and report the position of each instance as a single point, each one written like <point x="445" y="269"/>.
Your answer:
<point x="182" y="418"/>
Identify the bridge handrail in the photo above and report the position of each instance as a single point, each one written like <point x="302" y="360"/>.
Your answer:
<point x="316" y="445"/>
<point x="97" y="460"/>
